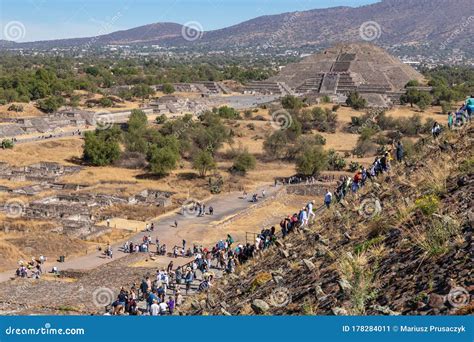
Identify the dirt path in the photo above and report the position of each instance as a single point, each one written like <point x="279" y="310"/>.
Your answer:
<point x="191" y="228"/>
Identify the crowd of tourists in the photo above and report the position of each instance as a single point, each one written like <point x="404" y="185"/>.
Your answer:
<point x="458" y="118"/>
<point x="32" y="268"/>
<point x="225" y="256"/>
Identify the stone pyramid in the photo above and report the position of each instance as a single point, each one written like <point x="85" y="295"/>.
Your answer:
<point x="346" y="67"/>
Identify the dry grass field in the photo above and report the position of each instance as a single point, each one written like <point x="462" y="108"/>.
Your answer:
<point x="29" y="110"/>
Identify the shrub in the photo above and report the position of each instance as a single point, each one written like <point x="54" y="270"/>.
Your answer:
<point x="15" y="108"/>
<point x="50" y="104"/>
<point x="354" y="166"/>
<point x="168" y="88"/>
<point x="324" y="120"/>
<point x="368" y="244"/>
<point x="446" y="107"/>
<point x="428" y="204"/>
<point x="203" y="162"/>
<point x="364" y="147"/>
<point x="335" y="161"/>
<point x="161" y="119"/>
<point x="325" y="99"/>
<point x="291" y="102"/>
<point x="162" y="160"/>
<point x="101" y="147"/>
<point x="7" y="143"/>
<point x="259" y="280"/>
<point x="228" y="113"/>
<point x="467" y="166"/>
<point x="437" y="235"/>
<point x="248" y="114"/>
<point x="355" y="101"/>
<point x="244" y="162"/>
<point x="276" y="145"/>
<point x="106" y="102"/>
<point x="312" y="161"/>
<point x="359" y="275"/>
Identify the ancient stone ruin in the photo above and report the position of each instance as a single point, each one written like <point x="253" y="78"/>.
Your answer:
<point x="366" y="68"/>
<point x="46" y="125"/>
<point x="41" y="172"/>
<point x="76" y="212"/>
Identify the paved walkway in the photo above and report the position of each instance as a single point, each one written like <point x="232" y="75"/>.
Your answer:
<point x="225" y="207"/>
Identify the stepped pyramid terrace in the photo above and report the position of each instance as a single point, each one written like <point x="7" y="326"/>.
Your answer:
<point x="366" y="68"/>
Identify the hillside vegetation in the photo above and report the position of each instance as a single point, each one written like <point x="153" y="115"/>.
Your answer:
<point x="411" y="256"/>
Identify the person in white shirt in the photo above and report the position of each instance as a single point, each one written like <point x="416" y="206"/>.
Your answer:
<point x="163" y="308"/>
<point x="309" y="206"/>
<point x="328" y="199"/>
<point x="155" y="308"/>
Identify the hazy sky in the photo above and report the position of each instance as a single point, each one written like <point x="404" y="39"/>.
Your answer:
<point x="52" y="19"/>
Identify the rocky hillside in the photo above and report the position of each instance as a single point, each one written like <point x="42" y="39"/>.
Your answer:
<point x="399" y="21"/>
<point x="402" y="246"/>
<point x="431" y="23"/>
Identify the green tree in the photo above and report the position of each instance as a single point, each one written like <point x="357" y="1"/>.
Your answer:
<point x="424" y="100"/>
<point x="203" y="162"/>
<point x="162" y="160"/>
<point x="276" y="145"/>
<point x="135" y="137"/>
<point x="50" y="104"/>
<point x="228" y="113"/>
<point x="312" y="161"/>
<point x="92" y="70"/>
<point x="291" y="102"/>
<point x="446" y="107"/>
<point x="211" y="133"/>
<point x="102" y="147"/>
<point x="168" y="88"/>
<point x="244" y="162"/>
<point x="412" y="83"/>
<point x="74" y="100"/>
<point x="355" y="101"/>
<point x="142" y="91"/>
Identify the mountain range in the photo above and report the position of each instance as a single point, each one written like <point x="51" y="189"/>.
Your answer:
<point x="432" y="23"/>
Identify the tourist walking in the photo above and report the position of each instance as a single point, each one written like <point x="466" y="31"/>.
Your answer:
<point x="328" y="198"/>
<point x="399" y="152"/>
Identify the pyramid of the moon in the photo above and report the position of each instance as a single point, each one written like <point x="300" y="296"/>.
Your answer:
<point x="341" y="69"/>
